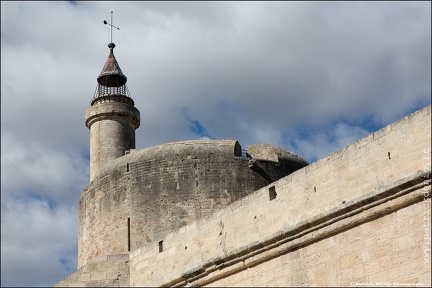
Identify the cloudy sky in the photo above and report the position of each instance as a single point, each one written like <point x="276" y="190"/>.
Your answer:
<point x="311" y="77"/>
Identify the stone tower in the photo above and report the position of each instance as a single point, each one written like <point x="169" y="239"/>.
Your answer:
<point x="112" y="117"/>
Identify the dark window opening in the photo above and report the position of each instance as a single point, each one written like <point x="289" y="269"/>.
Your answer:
<point x="160" y="246"/>
<point x="272" y="192"/>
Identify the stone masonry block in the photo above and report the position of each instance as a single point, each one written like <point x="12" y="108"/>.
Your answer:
<point x="95" y="276"/>
<point x="113" y="275"/>
<point x="84" y="277"/>
<point x="77" y="284"/>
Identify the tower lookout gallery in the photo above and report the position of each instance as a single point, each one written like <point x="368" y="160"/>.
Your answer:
<point x="209" y="213"/>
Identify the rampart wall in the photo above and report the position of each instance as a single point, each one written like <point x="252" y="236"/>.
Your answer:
<point x="359" y="215"/>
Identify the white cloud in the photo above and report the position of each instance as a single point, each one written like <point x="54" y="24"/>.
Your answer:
<point x="29" y="169"/>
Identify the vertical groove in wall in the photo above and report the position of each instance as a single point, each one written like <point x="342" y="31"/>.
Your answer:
<point x="128" y="234"/>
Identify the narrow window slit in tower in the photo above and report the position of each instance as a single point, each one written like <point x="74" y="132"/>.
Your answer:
<point x="160" y="246"/>
<point x="128" y="234"/>
<point x="127" y="167"/>
<point x="272" y="192"/>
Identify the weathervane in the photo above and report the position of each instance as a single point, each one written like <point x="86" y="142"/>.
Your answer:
<point x="110" y="24"/>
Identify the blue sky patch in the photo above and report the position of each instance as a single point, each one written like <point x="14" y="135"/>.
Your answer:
<point x="196" y="127"/>
<point x="68" y="264"/>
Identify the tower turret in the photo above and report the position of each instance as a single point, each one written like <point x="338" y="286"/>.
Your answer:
<point x="112" y="117"/>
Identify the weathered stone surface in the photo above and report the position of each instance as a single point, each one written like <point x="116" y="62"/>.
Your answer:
<point x="101" y="272"/>
<point x="201" y="214"/>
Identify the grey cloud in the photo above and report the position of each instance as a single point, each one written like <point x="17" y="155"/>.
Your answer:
<point x="32" y="231"/>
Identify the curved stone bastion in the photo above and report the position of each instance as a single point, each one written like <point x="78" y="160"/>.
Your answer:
<point x="141" y="196"/>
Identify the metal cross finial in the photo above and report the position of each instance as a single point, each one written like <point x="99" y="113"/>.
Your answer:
<point x="110" y="24"/>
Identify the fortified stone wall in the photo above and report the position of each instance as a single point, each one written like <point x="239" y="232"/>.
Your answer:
<point x="142" y="196"/>
<point x="383" y="252"/>
<point x="360" y="215"/>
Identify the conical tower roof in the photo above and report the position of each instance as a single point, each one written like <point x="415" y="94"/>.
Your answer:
<point x="112" y="82"/>
<point x="111" y="75"/>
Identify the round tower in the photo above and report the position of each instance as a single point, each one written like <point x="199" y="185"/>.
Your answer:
<point x="112" y="117"/>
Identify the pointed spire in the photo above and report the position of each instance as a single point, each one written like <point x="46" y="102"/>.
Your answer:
<point x="111" y="75"/>
<point x="112" y="82"/>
